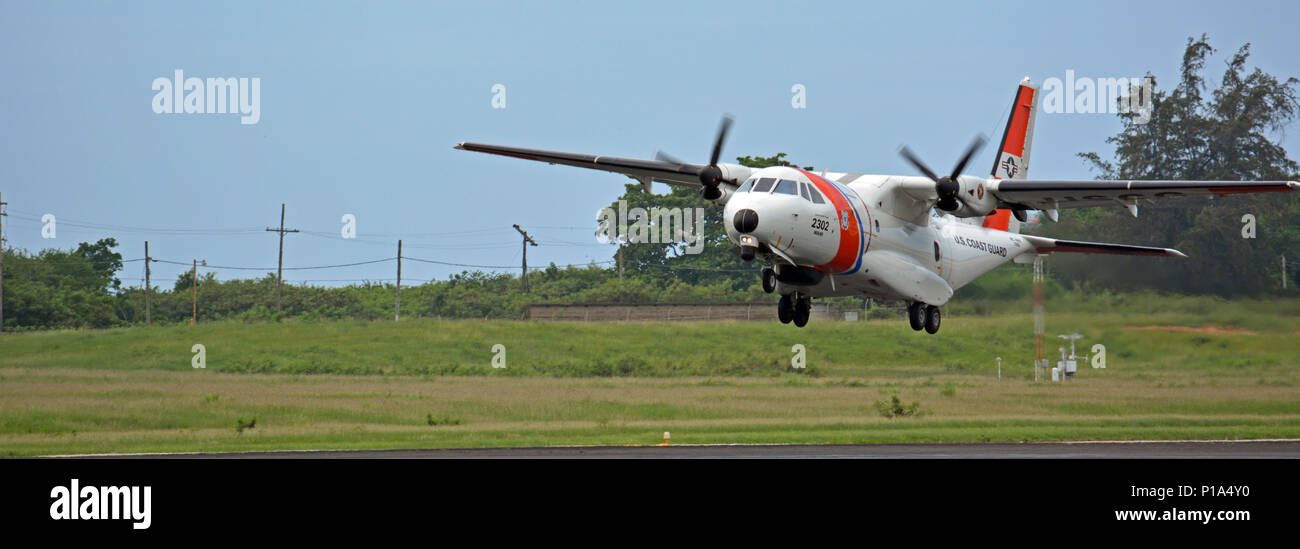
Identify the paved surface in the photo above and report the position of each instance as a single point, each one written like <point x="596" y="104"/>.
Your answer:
<point x="1068" y="450"/>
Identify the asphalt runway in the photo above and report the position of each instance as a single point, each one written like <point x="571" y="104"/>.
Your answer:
<point x="1272" y="449"/>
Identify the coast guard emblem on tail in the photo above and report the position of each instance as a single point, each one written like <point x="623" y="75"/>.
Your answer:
<point x="1009" y="167"/>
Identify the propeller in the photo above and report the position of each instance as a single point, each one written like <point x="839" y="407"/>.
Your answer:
<point x="665" y="157"/>
<point x="711" y="175"/>
<point x="946" y="187"/>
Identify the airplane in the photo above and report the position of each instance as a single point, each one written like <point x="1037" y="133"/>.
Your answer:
<point x="853" y="234"/>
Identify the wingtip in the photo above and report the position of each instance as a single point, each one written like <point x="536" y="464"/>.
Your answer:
<point x="460" y="146"/>
<point x="1295" y="185"/>
<point x="1176" y="253"/>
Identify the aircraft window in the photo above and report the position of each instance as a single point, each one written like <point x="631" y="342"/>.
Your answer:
<point x="816" y="196"/>
<point x="877" y="225"/>
<point x="745" y="188"/>
<point x="764" y="185"/>
<point x="936" y="251"/>
<point x="785" y="186"/>
<point x="803" y="189"/>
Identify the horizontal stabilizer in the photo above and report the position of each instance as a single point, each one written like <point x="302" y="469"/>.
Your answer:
<point x="1045" y="245"/>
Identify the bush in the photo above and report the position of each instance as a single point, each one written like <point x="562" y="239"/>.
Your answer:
<point x="895" y="408"/>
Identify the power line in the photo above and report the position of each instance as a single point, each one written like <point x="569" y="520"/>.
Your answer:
<point x="128" y="228"/>
<point x="314" y="267"/>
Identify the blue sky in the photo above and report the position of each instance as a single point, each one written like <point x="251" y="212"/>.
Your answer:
<point x="362" y="103"/>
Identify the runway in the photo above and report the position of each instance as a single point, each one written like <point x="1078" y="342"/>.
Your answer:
<point x="1267" y="449"/>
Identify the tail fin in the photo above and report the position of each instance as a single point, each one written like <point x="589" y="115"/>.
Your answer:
<point x="1012" y="161"/>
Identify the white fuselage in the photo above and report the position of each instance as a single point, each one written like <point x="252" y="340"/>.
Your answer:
<point x="856" y="238"/>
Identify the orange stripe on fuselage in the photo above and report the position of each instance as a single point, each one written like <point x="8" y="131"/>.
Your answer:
<point x="846" y="256"/>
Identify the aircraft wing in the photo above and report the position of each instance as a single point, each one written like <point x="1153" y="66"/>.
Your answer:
<point x="1047" y="194"/>
<point x="642" y="170"/>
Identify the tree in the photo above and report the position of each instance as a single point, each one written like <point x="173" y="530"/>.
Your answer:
<point x="1225" y="134"/>
<point x="103" y="260"/>
<point x="58" y="288"/>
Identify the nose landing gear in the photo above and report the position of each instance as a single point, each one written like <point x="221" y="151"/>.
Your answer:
<point x="769" y="280"/>
<point x="923" y="317"/>
<point x="794" y="308"/>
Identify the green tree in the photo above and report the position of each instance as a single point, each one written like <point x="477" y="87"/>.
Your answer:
<point x="103" y="261"/>
<point x="62" y="289"/>
<point x="1225" y="134"/>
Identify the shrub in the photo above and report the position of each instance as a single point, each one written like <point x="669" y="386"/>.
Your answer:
<point x="895" y="408"/>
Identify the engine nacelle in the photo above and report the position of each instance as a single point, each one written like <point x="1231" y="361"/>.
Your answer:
<point x="735" y="172"/>
<point x="732" y="172"/>
<point x="975" y="197"/>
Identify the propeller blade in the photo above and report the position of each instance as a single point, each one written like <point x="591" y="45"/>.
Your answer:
<point x="723" y="128"/>
<point x="665" y="157"/>
<point x="970" y="152"/>
<point x="917" y="163"/>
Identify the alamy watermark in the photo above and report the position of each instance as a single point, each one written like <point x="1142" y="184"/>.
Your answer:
<point x="498" y="356"/>
<point x="181" y="95"/>
<point x="76" y="502"/>
<point x="1085" y="95"/>
<point x="656" y="226"/>
<point x="200" y="358"/>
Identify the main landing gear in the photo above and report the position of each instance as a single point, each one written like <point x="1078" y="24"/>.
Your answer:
<point x="794" y="308"/>
<point x="923" y="317"/>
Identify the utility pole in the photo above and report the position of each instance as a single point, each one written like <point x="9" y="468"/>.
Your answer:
<point x="397" y="309"/>
<point x="2" y="266"/>
<point x="194" y="278"/>
<point x="1283" y="277"/>
<point x="527" y="240"/>
<point x="147" y="288"/>
<point x="279" y="266"/>
<point x="1040" y="320"/>
<point x="620" y="262"/>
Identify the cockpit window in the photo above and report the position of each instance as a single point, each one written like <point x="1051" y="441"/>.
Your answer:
<point x="816" y="196"/>
<point x="745" y="188"/>
<point x="785" y="186"/>
<point x="764" y="185"/>
<point x="803" y="190"/>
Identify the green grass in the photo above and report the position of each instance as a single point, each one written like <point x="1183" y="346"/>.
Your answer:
<point x="428" y="383"/>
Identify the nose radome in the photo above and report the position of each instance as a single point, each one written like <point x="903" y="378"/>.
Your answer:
<point x="745" y="221"/>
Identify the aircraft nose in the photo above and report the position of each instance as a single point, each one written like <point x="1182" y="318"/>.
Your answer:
<point x="745" y="221"/>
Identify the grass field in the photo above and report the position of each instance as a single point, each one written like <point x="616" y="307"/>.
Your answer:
<point x="426" y="383"/>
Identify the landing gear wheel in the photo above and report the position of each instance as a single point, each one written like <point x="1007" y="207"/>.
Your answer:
<point x="785" y="309"/>
<point x="931" y="319"/>
<point x="802" y="310"/>
<point x="769" y="280"/>
<point x="916" y="315"/>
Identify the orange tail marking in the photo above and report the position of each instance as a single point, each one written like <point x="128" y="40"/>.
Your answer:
<point x="999" y="219"/>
